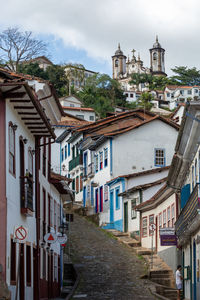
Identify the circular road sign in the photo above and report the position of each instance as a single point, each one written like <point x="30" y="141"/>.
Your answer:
<point x="62" y="239"/>
<point x="20" y="233"/>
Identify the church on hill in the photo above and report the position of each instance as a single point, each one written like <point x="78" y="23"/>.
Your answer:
<point x="123" y="67"/>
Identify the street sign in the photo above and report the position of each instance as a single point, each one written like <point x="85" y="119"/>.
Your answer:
<point x="167" y="231"/>
<point x="20" y="234"/>
<point x="62" y="239"/>
<point x="50" y="238"/>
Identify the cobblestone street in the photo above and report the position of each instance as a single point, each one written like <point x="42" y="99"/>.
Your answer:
<point x="107" y="269"/>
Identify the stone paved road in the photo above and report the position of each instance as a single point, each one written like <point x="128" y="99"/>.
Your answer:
<point x="107" y="268"/>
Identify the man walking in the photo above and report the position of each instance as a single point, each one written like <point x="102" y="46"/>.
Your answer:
<point x="179" y="279"/>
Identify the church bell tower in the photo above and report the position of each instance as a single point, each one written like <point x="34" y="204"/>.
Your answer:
<point x="157" y="59"/>
<point x="118" y="63"/>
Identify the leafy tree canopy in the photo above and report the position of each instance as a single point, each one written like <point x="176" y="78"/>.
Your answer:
<point x="102" y="93"/>
<point x="144" y="101"/>
<point x="55" y="74"/>
<point x="186" y="76"/>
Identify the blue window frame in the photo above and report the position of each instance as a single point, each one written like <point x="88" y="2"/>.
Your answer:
<point x="105" y="157"/>
<point x="100" y="160"/>
<point x="65" y="151"/>
<point x="68" y="149"/>
<point x="96" y="163"/>
<point x="62" y="154"/>
<point x="117" y="199"/>
<point x="159" y="157"/>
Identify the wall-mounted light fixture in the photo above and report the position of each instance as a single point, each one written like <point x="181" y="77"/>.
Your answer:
<point x="25" y="141"/>
<point x="14" y="127"/>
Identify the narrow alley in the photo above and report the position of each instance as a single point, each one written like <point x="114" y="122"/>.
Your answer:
<point x="107" y="269"/>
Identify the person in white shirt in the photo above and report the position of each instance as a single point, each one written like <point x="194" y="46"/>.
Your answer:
<point x="179" y="279"/>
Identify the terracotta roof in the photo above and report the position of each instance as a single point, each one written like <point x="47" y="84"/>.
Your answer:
<point x="147" y="172"/>
<point x="173" y="87"/>
<point x="143" y="186"/>
<point x="57" y="176"/>
<point x="78" y="108"/>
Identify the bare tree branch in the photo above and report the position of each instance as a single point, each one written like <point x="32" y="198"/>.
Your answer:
<point x="17" y="47"/>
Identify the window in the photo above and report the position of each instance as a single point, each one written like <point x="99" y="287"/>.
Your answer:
<point x="62" y="155"/>
<point x="65" y="151"/>
<point x="168" y="217"/>
<point x="168" y="95"/>
<point x="71" y="105"/>
<point x="100" y="160"/>
<point x="77" y="184"/>
<point x="91" y="118"/>
<point x="55" y="267"/>
<point x="173" y="215"/>
<point x="181" y="92"/>
<point x="126" y="95"/>
<point x="196" y="91"/>
<point x="164" y="218"/>
<point x="189" y="92"/>
<point x="68" y="149"/>
<point x="81" y="182"/>
<point x="96" y="163"/>
<point x="117" y="200"/>
<point x="55" y="215"/>
<point x="159" y="157"/>
<point x="154" y="56"/>
<point x="160" y="220"/>
<point x="131" y="95"/>
<point x="144" y="226"/>
<point x="30" y="162"/>
<point x="105" y="157"/>
<point x="105" y="192"/>
<point x="58" y="215"/>
<point x="116" y="62"/>
<point x="133" y="205"/>
<point x="11" y="149"/>
<point x="13" y="263"/>
<point x="51" y="212"/>
<point x="151" y="221"/>
<point x="28" y="265"/>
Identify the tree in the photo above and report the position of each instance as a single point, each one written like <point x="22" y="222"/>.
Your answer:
<point x="145" y="101"/>
<point x="17" y="46"/>
<point x="186" y="76"/>
<point x="74" y="72"/>
<point x="102" y="93"/>
<point x="55" y="74"/>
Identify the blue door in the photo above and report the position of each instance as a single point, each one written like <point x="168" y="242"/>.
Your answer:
<point x="194" y="272"/>
<point x="85" y="163"/>
<point x="111" y="207"/>
<point x="84" y="196"/>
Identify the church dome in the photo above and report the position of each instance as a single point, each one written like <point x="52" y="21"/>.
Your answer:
<point x="156" y="44"/>
<point x="119" y="51"/>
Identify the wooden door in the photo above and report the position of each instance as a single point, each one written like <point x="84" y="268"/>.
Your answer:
<point x="21" y="274"/>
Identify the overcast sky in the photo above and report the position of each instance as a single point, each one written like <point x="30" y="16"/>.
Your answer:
<point x="88" y="31"/>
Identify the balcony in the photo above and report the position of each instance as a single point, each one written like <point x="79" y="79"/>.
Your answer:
<point x="88" y="171"/>
<point x="26" y="195"/>
<point x="189" y="218"/>
<point x="78" y="160"/>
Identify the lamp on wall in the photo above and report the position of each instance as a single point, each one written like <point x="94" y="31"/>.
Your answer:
<point x="25" y="141"/>
<point x="14" y="127"/>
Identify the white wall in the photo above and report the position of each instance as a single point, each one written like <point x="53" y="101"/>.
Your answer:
<point x="86" y="114"/>
<point x="134" y="151"/>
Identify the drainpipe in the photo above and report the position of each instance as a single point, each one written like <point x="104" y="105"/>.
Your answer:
<point x="37" y="212"/>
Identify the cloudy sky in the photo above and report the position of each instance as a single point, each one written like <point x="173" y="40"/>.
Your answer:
<point x="88" y="31"/>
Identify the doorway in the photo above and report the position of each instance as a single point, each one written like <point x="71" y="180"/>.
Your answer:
<point x="126" y="217"/>
<point x="21" y="273"/>
<point x="111" y="207"/>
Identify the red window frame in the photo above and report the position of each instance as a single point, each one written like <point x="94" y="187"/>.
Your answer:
<point x="173" y="218"/>
<point x="143" y="235"/>
<point x="12" y="155"/>
<point x="150" y="231"/>
<point x="168" y="219"/>
<point x="164" y="222"/>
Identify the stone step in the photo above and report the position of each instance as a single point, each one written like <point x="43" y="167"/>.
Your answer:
<point x="163" y="281"/>
<point x="134" y="244"/>
<point x="158" y="272"/>
<point x="155" y="275"/>
<point x="143" y="251"/>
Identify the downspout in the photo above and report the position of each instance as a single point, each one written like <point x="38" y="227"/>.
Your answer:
<point x="61" y="251"/>
<point x="37" y="210"/>
<point x="123" y="190"/>
<point x="111" y="157"/>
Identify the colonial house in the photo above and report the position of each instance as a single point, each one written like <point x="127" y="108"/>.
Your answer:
<point x="111" y="148"/>
<point x="184" y="177"/>
<point x="140" y="187"/>
<point x="31" y="194"/>
<point x="161" y="211"/>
